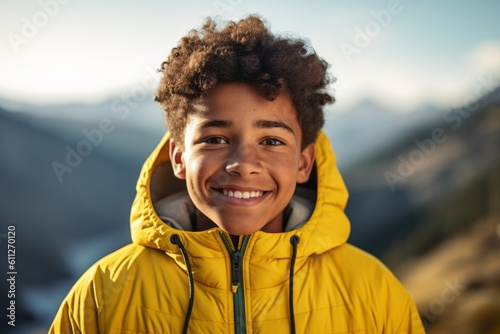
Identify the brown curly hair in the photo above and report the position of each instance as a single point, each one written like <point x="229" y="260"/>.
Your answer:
<point x="243" y="52"/>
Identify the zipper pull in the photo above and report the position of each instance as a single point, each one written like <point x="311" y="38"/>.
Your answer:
<point x="236" y="270"/>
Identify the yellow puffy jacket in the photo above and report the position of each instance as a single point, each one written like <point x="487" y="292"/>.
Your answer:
<point x="171" y="280"/>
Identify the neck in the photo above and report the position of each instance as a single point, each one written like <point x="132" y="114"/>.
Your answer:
<point x="203" y="223"/>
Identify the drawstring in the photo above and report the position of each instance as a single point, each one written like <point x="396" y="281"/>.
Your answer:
<point x="177" y="241"/>
<point x="294" y="240"/>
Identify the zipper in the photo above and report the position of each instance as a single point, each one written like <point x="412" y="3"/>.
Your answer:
<point x="237" y="282"/>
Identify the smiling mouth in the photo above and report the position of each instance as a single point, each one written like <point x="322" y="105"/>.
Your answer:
<point x="241" y="194"/>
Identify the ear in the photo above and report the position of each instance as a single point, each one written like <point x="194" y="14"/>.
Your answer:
<point x="306" y="163"/>
<point x="177" y="159"/>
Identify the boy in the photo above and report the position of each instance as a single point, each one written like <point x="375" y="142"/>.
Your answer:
<point x="238" y="223"/>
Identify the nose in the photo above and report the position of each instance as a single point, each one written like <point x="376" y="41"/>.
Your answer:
<point x="244" y="161"/>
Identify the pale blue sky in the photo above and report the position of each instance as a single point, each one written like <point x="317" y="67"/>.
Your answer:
<point x="87" y="51"/>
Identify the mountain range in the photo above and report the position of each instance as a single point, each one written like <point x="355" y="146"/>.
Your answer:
<point x="66" y="220"/>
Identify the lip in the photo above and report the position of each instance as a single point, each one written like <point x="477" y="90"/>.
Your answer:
<point x="239" y="201"/>
<point x="239" y="188"/>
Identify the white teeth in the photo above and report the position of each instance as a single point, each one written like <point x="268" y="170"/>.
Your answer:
<point x="242" y="194"/>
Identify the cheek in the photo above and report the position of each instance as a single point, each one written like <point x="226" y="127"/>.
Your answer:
<point x="203" y="172"/>
<point x="210" y="170"/>
<point x="194" y="166"/>
<point x="286" y="162"/>
<point x="193" y="170"/>
<point x="284" y="171"/>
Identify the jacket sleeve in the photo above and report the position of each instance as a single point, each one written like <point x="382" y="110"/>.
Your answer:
<point x="402" y="316"/>
<point x="410" y="322"/>
<point x="78" y="312"/>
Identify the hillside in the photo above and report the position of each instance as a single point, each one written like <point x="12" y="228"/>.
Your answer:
<point x="441" y="209"/>
<point x="408" y="197"/>
<point x="457" y="285"/>
<point x="62" y="227"/>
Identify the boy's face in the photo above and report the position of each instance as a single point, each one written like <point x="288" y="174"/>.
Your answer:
<point x="241" y="158"/>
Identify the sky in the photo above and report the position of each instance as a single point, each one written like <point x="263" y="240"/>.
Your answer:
<point x="401" y="53"/>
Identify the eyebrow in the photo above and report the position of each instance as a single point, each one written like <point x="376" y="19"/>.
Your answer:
<point x="215" y="123"/>
<point x="261" y="124"/>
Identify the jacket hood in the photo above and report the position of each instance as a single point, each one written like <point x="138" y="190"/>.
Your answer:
<point x="327" y="226"/>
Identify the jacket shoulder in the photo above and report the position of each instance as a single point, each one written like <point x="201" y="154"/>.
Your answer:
<point x="124" y="261"/>
<point x="356" y="259"/>
<point x="126" y="258"/>
<point x="359" y="268"/>
<point x="107" y="283"/>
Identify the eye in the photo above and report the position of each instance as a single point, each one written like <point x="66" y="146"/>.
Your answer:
<point x="272" y="142"/>
<point x="215" y="140"/>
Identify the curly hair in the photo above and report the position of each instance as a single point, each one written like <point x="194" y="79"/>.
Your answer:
<point x="247" y="52"/>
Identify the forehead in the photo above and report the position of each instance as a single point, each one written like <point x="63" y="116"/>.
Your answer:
<point x="230" y="100"/>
